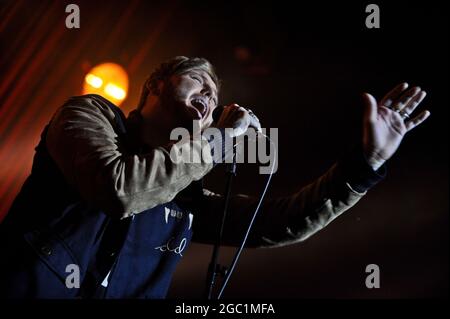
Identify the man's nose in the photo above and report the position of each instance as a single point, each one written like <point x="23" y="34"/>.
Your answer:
<point x="207" y="92"/>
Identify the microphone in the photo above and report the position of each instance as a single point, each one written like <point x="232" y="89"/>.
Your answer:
<point x="218" y="112"/>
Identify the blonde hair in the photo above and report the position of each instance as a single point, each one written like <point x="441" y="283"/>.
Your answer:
<point x="176" y="65"/>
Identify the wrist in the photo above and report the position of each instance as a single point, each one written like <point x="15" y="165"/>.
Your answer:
<point x="374" y="160"/>
<point x="358" y="173"/>
<point x="375" y="164"/>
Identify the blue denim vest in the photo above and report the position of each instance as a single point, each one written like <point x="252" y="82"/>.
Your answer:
<point x="49" y="230"/>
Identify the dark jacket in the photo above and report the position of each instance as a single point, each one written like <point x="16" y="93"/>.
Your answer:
<point x="125" y="216"/>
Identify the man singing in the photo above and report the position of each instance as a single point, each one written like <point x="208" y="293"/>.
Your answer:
<point x="105" y="200"/>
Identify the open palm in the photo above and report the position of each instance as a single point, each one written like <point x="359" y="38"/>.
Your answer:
<point x="386" y="123"/>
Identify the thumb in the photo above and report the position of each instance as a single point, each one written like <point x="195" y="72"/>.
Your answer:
<point x="370" y="107"/>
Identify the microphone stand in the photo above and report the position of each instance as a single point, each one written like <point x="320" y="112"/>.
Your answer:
<point x="214" y="268"/>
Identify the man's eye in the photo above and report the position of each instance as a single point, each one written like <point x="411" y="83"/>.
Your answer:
<point x="197" y="78"/>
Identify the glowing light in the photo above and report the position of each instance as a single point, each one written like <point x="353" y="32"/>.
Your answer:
<point x="114" y="91"/>
<point x="94" y="81"/>
<point x="109" y="80"/>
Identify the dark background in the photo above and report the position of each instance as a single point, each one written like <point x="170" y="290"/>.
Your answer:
<point x="301" y="68"/>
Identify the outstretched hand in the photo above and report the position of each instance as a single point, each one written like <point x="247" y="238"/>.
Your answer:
<point x="387" y="122"/>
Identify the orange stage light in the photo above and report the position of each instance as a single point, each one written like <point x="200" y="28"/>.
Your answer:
<point x="109" y="80"/>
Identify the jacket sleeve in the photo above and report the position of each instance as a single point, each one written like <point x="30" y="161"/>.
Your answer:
<point x="291" y="219"/>
<point x="83" y="142"/>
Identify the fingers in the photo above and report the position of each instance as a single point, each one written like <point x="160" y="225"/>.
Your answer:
<point x="406" y="98"/>
<point x="231" y="113"/>
<point x="416" y="121"/>
<point x="404" y="102"/>
<point x="254" y="121"/>
<point x="414" y="102"/>
<point x="239" y="118"/>
<point x="393" y="94"/>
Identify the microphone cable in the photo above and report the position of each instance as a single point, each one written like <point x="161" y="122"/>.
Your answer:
<point x="241" y="247"/>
